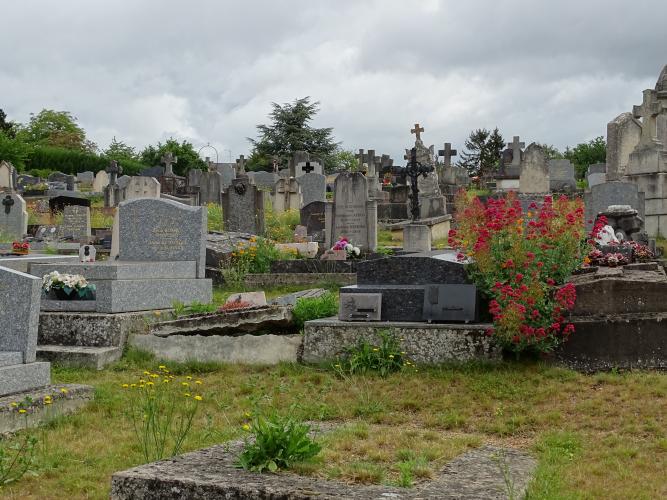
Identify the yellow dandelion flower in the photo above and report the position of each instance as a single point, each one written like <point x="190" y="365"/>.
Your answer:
<point x="185" y="384"/>
<point x="133" y="385"/>
<point x="391" y="356"/>
<point x="246" y="427"/>
<point x="147" y="373"/>
<point x="48" y="402"/>
<point x="375" y="349"/>
<point x="198" y="382"/>
<point x="247" y="414"/>
<point x="14" y="404"/>
<point x="149" y="384"/>
<point x="402" y="352"/>
<point x="154" y="375"/>
<point x="187" y="394"/>
<point x="63" y="390"/>
<point x="22" y="411"/>
<point x="162" y="367"/>
<point x="165" y="380"/>
<point x="125" y="386"/>
<point x="141" y="381"/>
<point x="141" y="386"/>
<point x="198" y="397"/>
<point x="189" y="377"/>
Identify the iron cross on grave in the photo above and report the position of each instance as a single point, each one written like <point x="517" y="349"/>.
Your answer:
<point x="447" y="154"/>
<point x="417" y="131"/>
<point x="308" y="168"/>
<point x="7" y="203"/>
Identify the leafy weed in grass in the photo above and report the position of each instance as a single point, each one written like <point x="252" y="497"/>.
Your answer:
<point x="383" y="359"/>
<point x="279" y="442"/>
<point x="307" y="309"/>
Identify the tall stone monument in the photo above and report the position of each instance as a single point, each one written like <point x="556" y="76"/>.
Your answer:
<point x="13" y="215"/>
<point x="243" y="204"/>
<point x="534" y="177"/>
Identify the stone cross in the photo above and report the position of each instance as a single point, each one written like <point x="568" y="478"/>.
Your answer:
<point x="361" y="157"/>
<point x="516" y="146"/>
<point x="8" y="202"/>
<point x="210" y="164"/>
<point x="447" y="154"/>
<point x="417" y="131"/>
<point x="274" y="162"/>
<point x="308" y="168"/>
<point x="240" y="166"/>
<point x="648" y="110"/>
<point x="113" y="170"/>
<point x="413" y="170"/>
<point x="169" y="159"/>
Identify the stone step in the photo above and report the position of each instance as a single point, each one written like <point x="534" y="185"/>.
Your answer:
<point x="24" y="377"/>
<point x="81" y="356"/>
<point x="8" y="358"/>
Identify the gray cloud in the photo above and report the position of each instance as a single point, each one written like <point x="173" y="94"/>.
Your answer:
<point x="207" y="71"/>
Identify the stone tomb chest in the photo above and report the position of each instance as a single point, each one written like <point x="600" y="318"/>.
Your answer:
<point x="161" y="257"/>
<point x="430" y="286"/>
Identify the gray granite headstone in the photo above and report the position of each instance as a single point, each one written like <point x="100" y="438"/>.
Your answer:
<point x="13" y="215"/>
<point x="265" y="180"/>
<point x="561" y="175"/>
<point x="157" y="172"/>
<point x="76" y="223"/>
<point x="313" y="187"/>
<point x="227" y="171"/>
<point x="314" y="219"/>
<point x="243" y="207"/>
<point x="7" y="176"/>
<point x="161" y="230"/>
<point x="19" y="313"/>
<point x="534" y="176"/>
<point x="352" y="214"/>
<point x="85" y="177"/>
<point x="68" y="180"/>
<point x="101" y="181"/>
<point x="208" y="184"/>
<point x="602" y="196"/>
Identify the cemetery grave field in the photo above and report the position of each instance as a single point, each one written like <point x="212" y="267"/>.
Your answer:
<point x="593" y="435"/>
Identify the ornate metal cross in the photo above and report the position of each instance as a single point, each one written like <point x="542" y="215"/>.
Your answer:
<point x="413" y="170"/>
<point x="8" y="202"/>
<point x="447" y="154"/>
<point x="417" y="131"/>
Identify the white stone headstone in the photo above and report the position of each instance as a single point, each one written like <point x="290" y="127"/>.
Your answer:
<point x="87" y="253"/>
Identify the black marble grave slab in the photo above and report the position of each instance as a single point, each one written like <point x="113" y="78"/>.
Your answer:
<point x="429" y="268"/>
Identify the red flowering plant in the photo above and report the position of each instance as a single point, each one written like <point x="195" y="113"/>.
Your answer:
<point x="20" y="247"/>
<point x="521" y="262"/>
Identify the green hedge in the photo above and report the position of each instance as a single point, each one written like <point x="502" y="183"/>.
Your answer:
<point x="72" y="162"/>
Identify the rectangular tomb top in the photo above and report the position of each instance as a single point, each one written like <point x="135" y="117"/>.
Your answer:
<point x="118" y="270"/>
<point x="161" y="230"/>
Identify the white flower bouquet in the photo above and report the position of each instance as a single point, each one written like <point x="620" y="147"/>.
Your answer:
<point x="67" y="286"/>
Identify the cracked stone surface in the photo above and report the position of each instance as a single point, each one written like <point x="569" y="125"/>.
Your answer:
<point x="487" y="472"/>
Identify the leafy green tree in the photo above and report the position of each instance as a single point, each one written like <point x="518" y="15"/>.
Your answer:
<point x="58" y="129"/>
<point x="587" y="153"/>
<point x="482" y="155"/>
<point x="346" y="160"/>
<point x="552" y="152"/>
<point x="118" y="151"/>
<point x="290" y="131"/>
<point x="7" y="127"/>
<point x="14" y="151"/>
<point x="188" y="158"/>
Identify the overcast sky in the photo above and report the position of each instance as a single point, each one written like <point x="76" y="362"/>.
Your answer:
<point x="207" y="71"/>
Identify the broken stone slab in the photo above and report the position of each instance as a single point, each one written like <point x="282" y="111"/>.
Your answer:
<point x="254" y="299"/>
<point x="219" y="246"/>
<point x="227" y="323"/>
<point x="291" y="298"/>
<point x="66" y="399"/>
<point x="308" y="250"/>
<point x="488" y="472"/>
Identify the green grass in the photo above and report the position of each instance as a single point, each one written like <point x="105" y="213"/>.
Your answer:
<point x="595" y="436"/>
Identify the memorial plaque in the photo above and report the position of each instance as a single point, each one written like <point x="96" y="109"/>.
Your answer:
<point x="450" y="303"/>
<point x="360" y="307"/>
<point x="161" y="230"/>
<point x="76" y="223"/>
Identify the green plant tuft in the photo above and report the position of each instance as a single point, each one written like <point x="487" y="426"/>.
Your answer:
<point x="323" y="306"/>
<point x="383" y="359"/>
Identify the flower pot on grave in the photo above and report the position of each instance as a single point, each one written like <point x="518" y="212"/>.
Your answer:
<point x="60" y="294"/>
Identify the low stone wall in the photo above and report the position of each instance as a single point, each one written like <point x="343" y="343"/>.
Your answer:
<point x="622" y="341"/>
<point x="246" y="349"/>
<point x="327" y="339"/>
<point x="274" y="279"/>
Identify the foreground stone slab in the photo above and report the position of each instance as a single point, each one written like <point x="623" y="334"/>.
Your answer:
<point x="210" y="473"/>
<point x="67" y="398"/>
<point x="325" y="340"/>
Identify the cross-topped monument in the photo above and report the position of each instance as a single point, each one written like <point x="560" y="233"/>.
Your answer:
<point x="240" y="166"/>
<point x="413" y="170"/>
<point x="274" y="162"/>
<point x="362" y="158"/>
<point x="648" y="111"/>
<point x="417" y="131"/>
<point x="516" y="145"/>
<point x="447" y="154"/>
<point x="169" y="160"/>
<point x="114" y="170"/>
